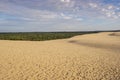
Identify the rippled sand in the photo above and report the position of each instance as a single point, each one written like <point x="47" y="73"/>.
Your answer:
<point x="84" y="57"/>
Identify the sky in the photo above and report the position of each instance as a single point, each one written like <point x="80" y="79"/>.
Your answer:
<point x="59" y="15"/>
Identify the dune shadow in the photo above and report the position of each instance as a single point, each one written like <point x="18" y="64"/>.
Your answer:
<point x="111" y="47"/>
<point x="114" y="34"/>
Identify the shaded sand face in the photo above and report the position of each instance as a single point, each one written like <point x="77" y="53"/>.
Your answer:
<point x="86" y="57"/>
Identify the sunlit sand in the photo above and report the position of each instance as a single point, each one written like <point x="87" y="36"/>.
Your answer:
<point x="84" y="57"/>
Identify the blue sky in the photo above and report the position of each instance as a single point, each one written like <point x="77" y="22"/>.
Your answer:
<point x="59" y="15"/>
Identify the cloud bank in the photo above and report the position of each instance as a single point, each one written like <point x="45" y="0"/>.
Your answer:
<point x="55" y="15"/>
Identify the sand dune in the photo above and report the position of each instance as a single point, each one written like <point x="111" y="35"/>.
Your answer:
<point x="86" y="57"/>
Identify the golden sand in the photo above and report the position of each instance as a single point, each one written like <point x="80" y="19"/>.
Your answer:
<point x="84" y="57"/>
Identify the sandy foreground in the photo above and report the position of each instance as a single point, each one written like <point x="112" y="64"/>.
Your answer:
<point x="84" y="57"/>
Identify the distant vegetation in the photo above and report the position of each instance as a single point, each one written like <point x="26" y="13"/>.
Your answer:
<point x="39" y="36"/>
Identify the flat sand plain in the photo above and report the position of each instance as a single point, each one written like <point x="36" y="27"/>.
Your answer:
<point x="84" y="57"/>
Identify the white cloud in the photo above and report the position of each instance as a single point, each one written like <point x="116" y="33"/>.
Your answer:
<point x="110" y="7"/>
<point x="118" y="8"/>
<point x="27" y="13"/>
<point x="65" y="16"/>
<point x="93" y="5"/>
<point x="75" y="7"/>
<point x="79" y="19"/>
<point x="108" y="14"/>
<point x="104" y="9"/>
<point x="27" y="19"/>
<point x="107" y="11"/>
<point x="67" y="1"/>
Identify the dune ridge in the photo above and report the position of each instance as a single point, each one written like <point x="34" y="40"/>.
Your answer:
<point x="84" y="57"/>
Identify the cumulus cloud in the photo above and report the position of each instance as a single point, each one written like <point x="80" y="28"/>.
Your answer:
<point x="65" y="16"/>
<point x="94" y="5"/>
<point x="67" y="1"/>
<point x="110" y="7"/>
<point x="51" y="9"/>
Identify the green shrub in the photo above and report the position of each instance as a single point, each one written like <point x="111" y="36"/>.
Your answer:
<point x="39" y="36"/>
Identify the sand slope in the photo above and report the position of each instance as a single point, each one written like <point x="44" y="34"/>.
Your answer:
<point x="86" y="57"/>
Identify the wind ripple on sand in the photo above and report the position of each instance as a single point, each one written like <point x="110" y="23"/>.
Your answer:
<point x="86" y="57"/>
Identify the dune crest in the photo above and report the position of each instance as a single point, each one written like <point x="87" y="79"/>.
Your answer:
<point x="106" y="40"/>
<point x="84" y="57"/>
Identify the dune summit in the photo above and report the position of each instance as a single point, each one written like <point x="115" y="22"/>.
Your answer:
<point x="84" y="57"/>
